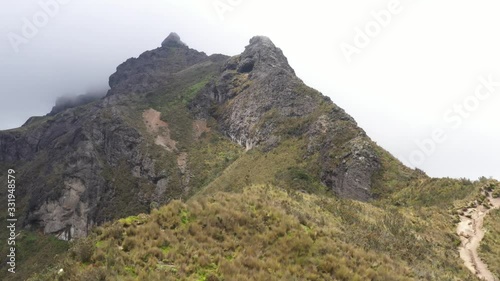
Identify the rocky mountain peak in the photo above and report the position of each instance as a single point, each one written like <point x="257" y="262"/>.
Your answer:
<point x="263" y="56"/>
<point x="152" y="68"/>
<point x="91" y="163"/>
<point x="263" y="40"/>
<point x="173" y="40"/>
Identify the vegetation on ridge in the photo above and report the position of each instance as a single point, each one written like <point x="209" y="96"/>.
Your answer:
<point x="267" y="233"/>
<point x="489" y="250"/>
<point x="202" y="168"/>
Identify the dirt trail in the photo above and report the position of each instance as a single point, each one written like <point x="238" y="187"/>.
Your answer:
<point x="471" y="232"/>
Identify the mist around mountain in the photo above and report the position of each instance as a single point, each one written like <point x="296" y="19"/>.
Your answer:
<point x="66" y="102"/>
<point x="197" y="167"/>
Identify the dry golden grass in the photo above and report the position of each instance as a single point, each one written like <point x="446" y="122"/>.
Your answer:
<point x="490" y="246"/>
<point x="267" y="233"/>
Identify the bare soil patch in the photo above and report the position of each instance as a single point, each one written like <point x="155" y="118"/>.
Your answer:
<point x="159" y="129"/>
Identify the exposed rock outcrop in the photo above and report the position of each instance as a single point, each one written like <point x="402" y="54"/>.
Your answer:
<point x="153" y="70"/>
<point x="118" y="156"/>
<point x="258" y="92"/>
<point x="173" y="40"/>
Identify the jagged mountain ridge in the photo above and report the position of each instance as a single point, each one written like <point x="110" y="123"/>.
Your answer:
<point x="168" y="113"/>
<point x="266" y="168"/>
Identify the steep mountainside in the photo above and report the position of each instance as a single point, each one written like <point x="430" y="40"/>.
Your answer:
<point x="178" y="124"/>
<point x="93" y="163"/>
<point x="117" y="156"/>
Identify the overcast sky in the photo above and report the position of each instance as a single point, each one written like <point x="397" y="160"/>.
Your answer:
<point x="418" y="75"/>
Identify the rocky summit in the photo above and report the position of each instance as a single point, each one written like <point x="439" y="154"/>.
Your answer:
<point x="70" y="159"/>
<point x="178" y="124"/>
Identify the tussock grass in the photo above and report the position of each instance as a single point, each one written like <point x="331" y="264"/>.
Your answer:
<point x="489" y="249"/>
<point x="268" y="233"/>
<point x="490" y="246"/>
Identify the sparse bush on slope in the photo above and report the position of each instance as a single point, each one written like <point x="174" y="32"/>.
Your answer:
<point x="266" y="233"/>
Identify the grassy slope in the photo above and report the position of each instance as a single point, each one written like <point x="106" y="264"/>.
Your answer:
<point x="489" y="250"/>
<point x="282" y="166"/>
<point x="34" y="253"/>
<point x="260" y="234"/>
<point x="267" y="233"/>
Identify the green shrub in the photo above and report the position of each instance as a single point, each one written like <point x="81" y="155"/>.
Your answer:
<point x="82" y="250"/>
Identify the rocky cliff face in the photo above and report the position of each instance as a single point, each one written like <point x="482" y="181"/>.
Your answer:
<point x="61" y="163"/>
<point x="153" y="69"/>
<point x="258" y="94"/>
<point x="141" y="145"/>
